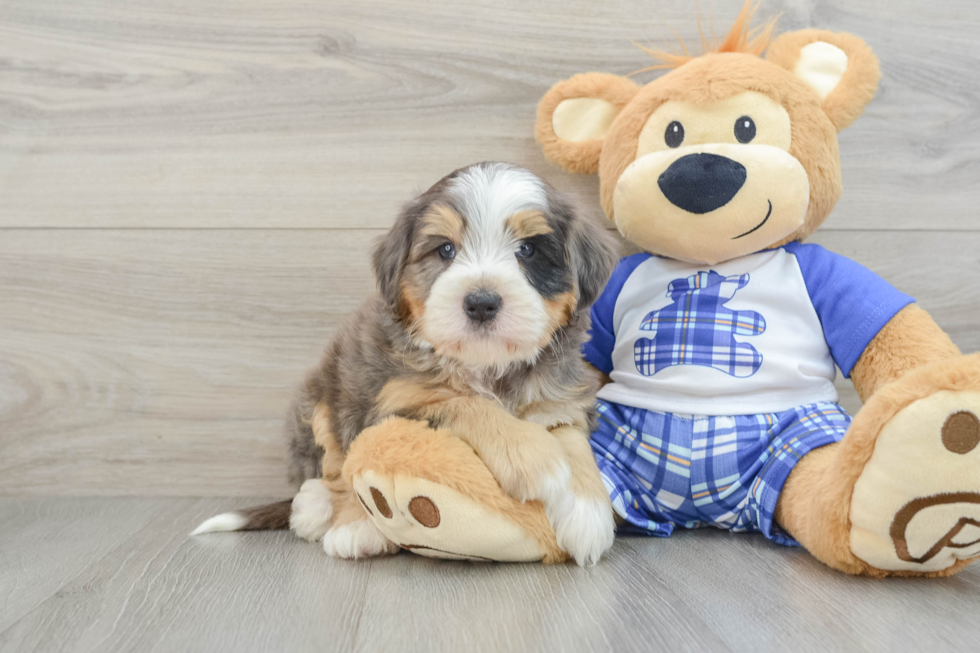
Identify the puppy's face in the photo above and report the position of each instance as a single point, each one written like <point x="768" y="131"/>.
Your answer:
<point x="489" y="263"/>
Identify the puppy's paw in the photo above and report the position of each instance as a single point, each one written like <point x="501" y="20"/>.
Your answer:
<point x="543" y="479"/>
<point x="359" y="539"/>
<point x="551" y="420"/>
<point x="552" y="415"/>
<point x="584" y="526"/>
<point x="312" y="510"/>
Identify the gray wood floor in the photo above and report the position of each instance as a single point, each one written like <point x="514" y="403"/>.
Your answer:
<point x="122" y="574"/>
<point x="188" y="192"/>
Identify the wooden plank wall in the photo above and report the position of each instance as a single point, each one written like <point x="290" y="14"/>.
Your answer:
<point x="188" y="192"/>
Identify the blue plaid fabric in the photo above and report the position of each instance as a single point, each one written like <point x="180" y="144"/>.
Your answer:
<point x="697" y="329"/>
<point x="664" y="470"/>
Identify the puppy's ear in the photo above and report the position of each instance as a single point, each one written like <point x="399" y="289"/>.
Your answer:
<point x="391" y="254"/>
<point x="840" y="68"/>
<point x="574" y="116"/>
<point x="592" y="254"/>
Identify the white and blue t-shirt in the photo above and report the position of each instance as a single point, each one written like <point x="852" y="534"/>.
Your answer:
<point x="757" y="334"/>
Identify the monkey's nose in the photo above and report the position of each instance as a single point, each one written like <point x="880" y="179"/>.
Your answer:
<point x="700" y="183"/>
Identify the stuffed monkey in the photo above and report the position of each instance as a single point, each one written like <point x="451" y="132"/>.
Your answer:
<point x="721" y="338"/>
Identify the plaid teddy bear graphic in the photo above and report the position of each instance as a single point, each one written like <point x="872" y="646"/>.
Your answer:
<point x="697" y="329"/>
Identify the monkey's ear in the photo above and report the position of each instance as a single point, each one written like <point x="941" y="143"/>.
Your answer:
<point x="841" y="68"/>
<point x="574" y="116"/>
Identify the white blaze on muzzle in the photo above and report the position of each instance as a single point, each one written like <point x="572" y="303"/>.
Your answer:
<point x="515" y="333"/>
<point x="486" y="261"/>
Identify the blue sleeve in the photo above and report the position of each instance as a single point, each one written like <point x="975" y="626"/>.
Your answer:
<point x="852" y="302"/>
<point x="602" y="336"/>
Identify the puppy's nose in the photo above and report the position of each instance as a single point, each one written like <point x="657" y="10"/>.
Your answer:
<point x="482" y="306"/>
<point x="703" y="182"/>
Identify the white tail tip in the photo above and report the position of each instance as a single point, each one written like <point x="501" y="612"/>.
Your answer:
<point x="229" y="521"/>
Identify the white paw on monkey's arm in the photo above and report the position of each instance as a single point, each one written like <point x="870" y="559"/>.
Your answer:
<point x="552" y="415"/>
<point x="531" y="462"/>
<point x="527" y="461"/>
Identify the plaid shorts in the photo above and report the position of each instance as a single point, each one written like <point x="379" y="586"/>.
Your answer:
<point x="663" y="470"/>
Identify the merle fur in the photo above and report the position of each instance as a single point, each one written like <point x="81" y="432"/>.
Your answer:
<point x="375" y="347"/>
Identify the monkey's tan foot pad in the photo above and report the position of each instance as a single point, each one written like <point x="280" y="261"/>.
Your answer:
<point x="916" y="504"/>
<point x="428" y="492"/>
<point x="433" y="520"/>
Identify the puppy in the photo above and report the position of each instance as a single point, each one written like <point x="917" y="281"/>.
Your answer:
<point x="485" y="282"/>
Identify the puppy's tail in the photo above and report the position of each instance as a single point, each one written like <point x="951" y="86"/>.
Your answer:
<point x="270" y="517"/>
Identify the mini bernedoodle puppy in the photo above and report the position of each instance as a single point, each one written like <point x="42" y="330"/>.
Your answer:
<point x="485" y="282"/>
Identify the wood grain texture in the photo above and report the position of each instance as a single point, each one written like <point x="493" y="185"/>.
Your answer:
<point x="44" y="545"/>
<point x="189" y="191"/>
<point x="135" y="361"/>
<point x="161" y="362"/>
<point x="188" y="194"/>
<point x="150" y="587"/>
<point x="303" y="113"/>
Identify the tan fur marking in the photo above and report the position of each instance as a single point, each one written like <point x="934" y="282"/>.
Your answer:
<point x="411" y="308"/>
<point x="410" y="396"/>
<point x="333" y="459"/>
<point x="586" y="481"/>
<point x="321" y="426"/>
<point x="559" y="310"/>
<point x="346" y="504"/>
<point x="521" y="455"/>
<point x="440" y="220"/>
<point x="409" y="448"/>
<point x="526" y="224"/>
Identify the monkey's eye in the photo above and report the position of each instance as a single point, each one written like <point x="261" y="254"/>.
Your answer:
<point x="525" y="250"/>
<point x="447" y="251"/>
<point x="744" y="129"/>
<point x="674" y="135"/>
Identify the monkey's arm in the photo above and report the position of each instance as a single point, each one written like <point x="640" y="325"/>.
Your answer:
<point x="910" y="339"/>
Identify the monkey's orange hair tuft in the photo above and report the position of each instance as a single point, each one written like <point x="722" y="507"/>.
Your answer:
<point x="741" y="38"/>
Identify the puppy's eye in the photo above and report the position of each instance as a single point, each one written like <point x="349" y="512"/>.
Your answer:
<point x="525" y="250"/>
<point x="447" y="251"/>
<point x="674" y="135"/>
<point x="744" y="129"/>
